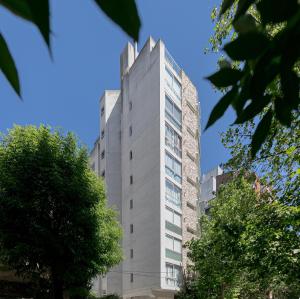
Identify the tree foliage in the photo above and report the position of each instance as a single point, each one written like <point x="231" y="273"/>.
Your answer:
<point x="262" y="75"/>
<point x="54" y="222"/>
<point x="249" y="246"/>
<point x="277" y="161"/>
<point x="122" y="12"/>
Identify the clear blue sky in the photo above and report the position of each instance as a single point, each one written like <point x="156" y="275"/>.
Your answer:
<point x="86" y="48"/>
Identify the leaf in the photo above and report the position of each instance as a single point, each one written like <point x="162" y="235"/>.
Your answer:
<point x="290" y="150"/>
<point x="225" y="77"/>
<point x="254" y="108"/>
<point x="225" y="5"/>
<point x="8" y="67"/>
<point x="19" y="8"/>
<point x="290" y="88"/>
<point x="247" y="46"/>
<point x="244" y="24"/>
<point x="124" y="13"/>
<point x="221" y="107"/>
<point x="283" y="111"/>
<point x="266" y="69"/>
<point x="275" y="11"/>
<point x="242" y="8"/>
<point x="35" y="11"/>
<point x="41" y="17"/>
<point x="261" y="133"/>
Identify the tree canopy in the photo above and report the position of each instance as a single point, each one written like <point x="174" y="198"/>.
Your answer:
<point x="261" y="74"/>
<point x="54" y="221"/>
<point x="249" y="246"/>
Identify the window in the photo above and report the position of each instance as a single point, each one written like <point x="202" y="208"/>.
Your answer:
<point x="130" y="106"/>
<point x="103" y="174"/>
<point x="102" y="111"/>
<point x="173" y="168"/>
<point x="173" y="140"/>
<point x="131" y="180"/>
<point x="173" y="217"/>
<point x="173" y="194"/>
<point x="131" y="253"/>
<point x="130" y="155"/>
<point x="130" y="131"/>
<point x="131" y="277"/>
<point x="102" y="155"/>
<point x="93" y="166"/>
<point x="173" y="244"/>
<point x="173" y="83"/>
<point x="102" y="134"/>
<point x="131" y="204"/>
<point x="173" y="274"/>
<point x="131" y="228"/>
<point x="173" y="113"/>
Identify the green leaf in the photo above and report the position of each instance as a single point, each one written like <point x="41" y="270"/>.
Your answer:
<point x="244" y="24"/>
<point x="225" y="77"/>
<point x="124" y="13"/>
<point x="247" y="46"/>
<point x="221" y="107"/>
<point x="266" y="69"/>
<point x="35" y="11"/>
<point x="8" y="67"/>
<point x="254" y="108"/>
<point x="283" y="111"/>
<point x="275" y="11"/>
<point x="242" y="8"/>
<point x="225" y="5"/>
<point x="290" y="150"/>
<point x="290" y="88"/>
<point x="261" y="132"/>
<point x="19" y="8"/>
<point x="41" y="17"/>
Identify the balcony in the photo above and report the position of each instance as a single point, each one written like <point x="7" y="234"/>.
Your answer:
<point x="172" y="63"/>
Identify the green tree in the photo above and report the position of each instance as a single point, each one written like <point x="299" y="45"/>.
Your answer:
<point x="249" y="246"/>
<point x="54" y="222"/>
<point x="123" y="12"/>
<point x="278" y="160"/>
<point x="261" y="76"/>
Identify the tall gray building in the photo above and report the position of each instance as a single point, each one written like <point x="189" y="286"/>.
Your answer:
<point x="148" y="154"/>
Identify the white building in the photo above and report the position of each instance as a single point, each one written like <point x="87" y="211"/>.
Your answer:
<point x="148" y="153"/>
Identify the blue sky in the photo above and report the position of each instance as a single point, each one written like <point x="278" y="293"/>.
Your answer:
<point x="64" y="92"/>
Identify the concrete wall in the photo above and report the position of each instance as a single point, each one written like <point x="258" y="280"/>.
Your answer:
<point x="141" y="86"/>
<point x="141" y="106"/>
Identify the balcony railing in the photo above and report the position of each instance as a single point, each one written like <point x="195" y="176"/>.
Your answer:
<point x="172" y="62"/>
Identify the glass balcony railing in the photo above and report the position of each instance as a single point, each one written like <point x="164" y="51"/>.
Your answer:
<point x="172" y="62"/>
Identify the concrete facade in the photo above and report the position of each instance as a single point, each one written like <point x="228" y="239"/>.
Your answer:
<point x="148" y="154"/>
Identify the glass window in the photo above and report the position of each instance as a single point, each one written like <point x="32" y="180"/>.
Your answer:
<point x="169" y="215"/>
<point x="169" y="242"/>
<point x="173" y="274"/>
<point x="177" y="245"/>
<point x="173" y="168"/>
<point x="177" y="87"/>
<point x="173" y="140"/>
<point x="173" y="113"/>
<point x="173" y="83"/>
<point x="173" y="194"/>
<point x="177" y="219"/>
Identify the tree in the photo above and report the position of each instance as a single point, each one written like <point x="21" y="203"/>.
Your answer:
<point x="124" y="13"/>
<point x="249" y="246"/>
<point x="54" y="222"/>
<point x="262" y="75"/>
<point x="277" y="161"/>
